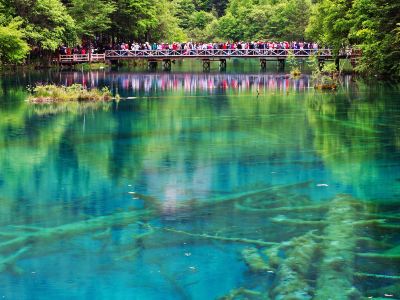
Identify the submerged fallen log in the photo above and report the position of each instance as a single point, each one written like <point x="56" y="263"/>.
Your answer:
<point x="31" y="236"/>
<point x="298" y="222"/>
<point x="249" y="195"/>
<point x="40" y="236"/>
<point x="291" y="280"/>
<point x="222" y="238"/>
<point x="330" y="257"/>
<point x="336" y="270"/>
<point x="377" y="276"/>
<point x="286" y="209"/>
<point x="243" y="293"/>
<point x="379" y="256"/>
<point x="254" y="261"/>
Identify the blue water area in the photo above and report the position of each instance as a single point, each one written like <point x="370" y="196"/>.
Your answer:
<point x="164" y="193"/>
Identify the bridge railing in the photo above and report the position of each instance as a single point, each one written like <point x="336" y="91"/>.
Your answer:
<point x="81" y="58"/>
<point x="98" y="57"/>
<point x="219" y="53"/>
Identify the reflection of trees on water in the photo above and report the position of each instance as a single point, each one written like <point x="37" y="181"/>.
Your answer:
<point x="55" y="168"/>
<point x="188" y="82"/>
<point x="356" y="133"/>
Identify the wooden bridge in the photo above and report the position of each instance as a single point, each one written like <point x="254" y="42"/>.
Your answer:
<point x="205" y="55"/>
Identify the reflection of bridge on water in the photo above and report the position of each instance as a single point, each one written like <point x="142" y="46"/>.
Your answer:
<point x="188" y="82"/>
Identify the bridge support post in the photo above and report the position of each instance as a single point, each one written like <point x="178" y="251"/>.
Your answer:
<point x="114" y="63"/>
<point x="263" y="64"/>
<point x="321" y="64"/>
<point x="337" y="63"/>
<point x="152" y="65"/>
<point x="281" y="64"/>
<point x="222" y="64"/>
<point x="206" y="65"/>
<point x="353" y="62"/>
<point x="167" y="65"/>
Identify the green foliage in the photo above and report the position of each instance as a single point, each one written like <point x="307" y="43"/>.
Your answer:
<point x="200" y="19"/>
<point x="228" y="27"/>
<point x="261" y="20"/>
<point x="91" y="16"/>
<point x="312" y="62"/>
<point x="297" y="13"/>
<point x="319" y="77"/>
<point x="183" y="11"/>
<point x="291" y="60"/>
<point x="199" y="26"/>
<point x="330" y="24"/>
<point x="293" y="64"/>
<point x="91" y="66"/>
<point x="134" y="20"/>
<point x="46" y="23"/>
<point x="167" y="27"/>
<point x="13" y="47"/>
<point x="373" y="26"/>
<point x="329" y="68"/>
<point x="369" y="25"/>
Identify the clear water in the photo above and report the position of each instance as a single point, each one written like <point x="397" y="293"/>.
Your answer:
<point x="174" y="161"/>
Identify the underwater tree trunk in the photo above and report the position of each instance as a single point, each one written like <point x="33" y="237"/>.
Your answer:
<point x="336" y="271"/>
<point x="43" y="235"/>
<point x="10" y="250"/>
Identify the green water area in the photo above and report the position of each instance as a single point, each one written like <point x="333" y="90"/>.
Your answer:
<point x="238" y="185"/>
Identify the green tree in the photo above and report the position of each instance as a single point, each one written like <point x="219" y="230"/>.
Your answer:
<point x="167" y="28"/>
<point x="200" y="19"/>
<point x="330" y="23"/>
<point x="133" y="20"/>
<point x="374" y="31"/>
<point x="91" y="16"/>
<point x="13" y="47"/>
<point x="183" y="11"/>
<point x="265" y="19"/>
<point x="198" y="23"/>
<point x="369" y="25"/>
<point x="297" y="14"/>
<point x="228" y="28"/>
<point x="46" y="23"/>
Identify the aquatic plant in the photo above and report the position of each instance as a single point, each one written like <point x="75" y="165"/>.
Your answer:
<point x="325" y="82"/>
<point x="293" y="64"/>
<point x="323" y="78"/>
<point x="91" y="66"/>
<point x="52" y="93"/>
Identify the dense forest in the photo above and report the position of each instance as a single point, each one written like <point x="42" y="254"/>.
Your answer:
<point x="32" y="26"/>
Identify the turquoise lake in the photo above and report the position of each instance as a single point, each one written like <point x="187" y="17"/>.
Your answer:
<point x="186" y="187"/>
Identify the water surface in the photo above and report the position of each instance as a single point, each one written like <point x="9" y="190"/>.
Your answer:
<point x="157" y="196"/>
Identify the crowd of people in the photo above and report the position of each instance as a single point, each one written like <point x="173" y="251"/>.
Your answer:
<point x="187" y="48"/>
<point x="221" y="46"/>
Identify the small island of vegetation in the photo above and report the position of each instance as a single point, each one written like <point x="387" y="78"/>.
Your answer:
<point x="59" y="94"/>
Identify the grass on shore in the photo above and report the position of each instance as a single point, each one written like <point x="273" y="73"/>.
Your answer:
<point x="91" y="66"/>
<point x="54" y="94"/>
